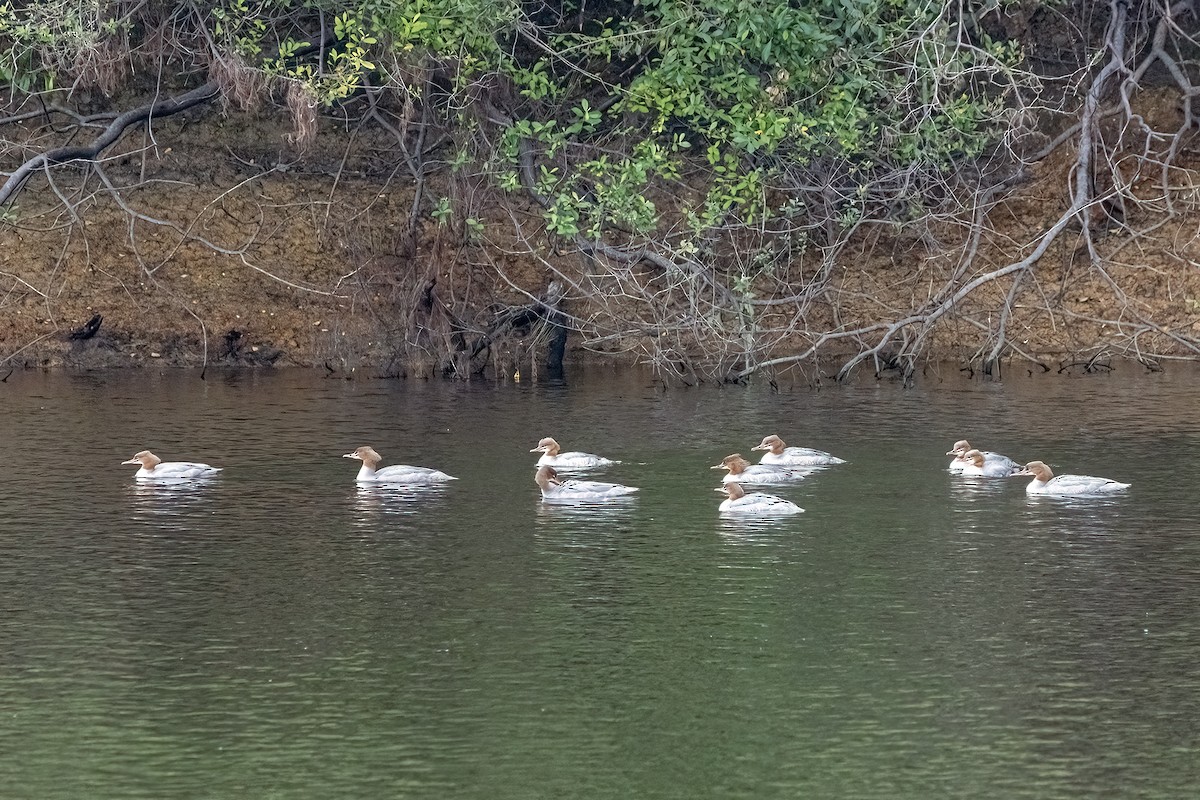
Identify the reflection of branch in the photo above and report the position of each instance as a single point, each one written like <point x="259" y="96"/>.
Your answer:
<point x="59" y="155"/>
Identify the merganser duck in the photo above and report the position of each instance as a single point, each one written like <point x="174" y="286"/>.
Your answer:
<point x="742" y="471"/>
<point x="783" y="456"/>
<point x="398" y="473"/>
<point x="551" y="457"/>
<point x="978" y="465"/>
<point x="572" y="491"/>
<point x="960" y="461"/>
<point x="154" y="468"/>
<point x="1045" y="482"/>
<point x="755" y="503"/>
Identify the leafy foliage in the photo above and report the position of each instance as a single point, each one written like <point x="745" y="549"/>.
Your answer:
<point x="679" y="124"/>
<point x="617" y="96"/>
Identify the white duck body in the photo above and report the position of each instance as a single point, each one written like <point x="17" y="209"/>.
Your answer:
<point x="153" y="468"/>
<point x="742" y="471"/>
<point x="555" y="490"/>
<point x="755" y="504"/>
<point x="1045" y="482"/>
<point x="398" y="473"/>
<point x="780" y="455"/>
<point x="976" y="464"/>
<point x="552" y="456"/>
<point x="960" y="462"/>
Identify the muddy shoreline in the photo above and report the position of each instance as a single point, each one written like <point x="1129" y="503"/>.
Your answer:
<point x="236" y="351"/>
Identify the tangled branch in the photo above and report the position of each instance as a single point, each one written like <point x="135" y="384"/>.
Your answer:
<point x="110" y="135"/>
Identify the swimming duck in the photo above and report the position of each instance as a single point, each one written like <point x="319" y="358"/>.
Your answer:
<point x="978" y="465"/>
<point x="1045" y="482"/>
<point x="551" y="457"/>
<point x="154" y="468"/>
<point x="781" y="455"/>
<point x="398" y="473"/>
<point x="742" y="471"/>
<point x="755" y="503"/>
<point x="572" y="491"/>
<point x="960" y="461"/>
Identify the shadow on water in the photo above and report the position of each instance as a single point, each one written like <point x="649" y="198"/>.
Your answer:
<point x="408" y="500"/>
<point x="752" y="530"/>
<point x="598" y="513"/>
<point x="974" y="488"/>
<point x="1077" y="516"/>
<point x="594" y="532"/>
<point x="172" y="505"/>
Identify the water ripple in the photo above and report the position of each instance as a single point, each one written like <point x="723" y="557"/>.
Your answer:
<point x="280" y="631"/>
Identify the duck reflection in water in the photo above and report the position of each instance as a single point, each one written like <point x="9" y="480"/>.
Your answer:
<point x="170" y="504"/>
<point x="395" y="498"/>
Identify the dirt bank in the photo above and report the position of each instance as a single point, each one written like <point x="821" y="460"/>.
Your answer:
<point x="224" y="246"/>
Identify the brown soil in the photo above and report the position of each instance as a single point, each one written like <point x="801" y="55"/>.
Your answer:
<point x="317" y="272"/>
<point x="301" y="271"/>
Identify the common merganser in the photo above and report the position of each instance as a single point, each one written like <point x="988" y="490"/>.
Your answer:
<point x="398" y="473"/>
<point x="154" y="468"/>
<point x="960" y="461"/>
<point x="572" y="491"/>
<point x="755" y="503"/>
<point x="551" y="457"/>
<point x="781" y="455"/>
<point x="978" y="465"/>
<point x="742" y="471"/>
<point x="1045" y="482"/>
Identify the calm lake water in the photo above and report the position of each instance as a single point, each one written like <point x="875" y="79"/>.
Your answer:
<point x="280" y="633"/>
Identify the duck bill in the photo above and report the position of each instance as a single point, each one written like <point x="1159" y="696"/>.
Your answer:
<point x="132" y="461"/>
<point x="351" y="455"/>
